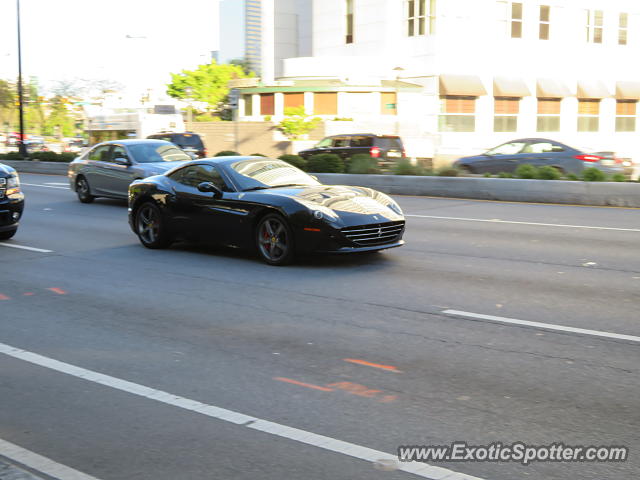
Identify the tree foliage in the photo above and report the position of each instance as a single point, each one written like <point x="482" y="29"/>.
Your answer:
<point x="207" y="83"/>
<point x="297" y="123"/>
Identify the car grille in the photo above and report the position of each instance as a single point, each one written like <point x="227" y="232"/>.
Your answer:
<point x="375" y="234"/>
<point x="3" y="186"/>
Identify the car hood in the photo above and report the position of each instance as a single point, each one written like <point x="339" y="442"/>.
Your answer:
<point x="350" y="203"/>
<point x="6" y="170"/>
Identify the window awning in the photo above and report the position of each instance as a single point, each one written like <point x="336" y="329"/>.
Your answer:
<point x="550" y="88"/>
<point x="510" y="87"/>
<point x="463" y="85"/>
<point x="628" y="90"/>
<point x="592" y="89"/>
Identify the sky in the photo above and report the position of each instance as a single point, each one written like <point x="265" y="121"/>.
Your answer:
<point x="87" y="39"/>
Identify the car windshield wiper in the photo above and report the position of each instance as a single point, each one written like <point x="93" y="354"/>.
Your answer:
<point x="290" y="185"/>
<point x="255" y="188"/>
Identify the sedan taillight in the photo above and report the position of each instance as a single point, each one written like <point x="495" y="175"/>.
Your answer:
<point x="375" y="152"/>
<point x="589" y="158"/>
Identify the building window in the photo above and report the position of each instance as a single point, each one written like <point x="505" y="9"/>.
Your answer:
<point x="293" y="100"/>
<point x="626" y="111"/>
<point x="505" y="117"/>
<point x="623" y="26"/>
<point x="267" y="104"/>
<point x="548" y="115"/>
<point x="421" y="17"/>
<point x="545" y="19"/>
<point x="512" y="15"/>
<point x="594" y="26"/>
<point x="325" y="103"/>
<point x="349" y="37"/>
<point x="588" y="115"/>
<point x="458" y="114"/>
<point x="248" y="105"/>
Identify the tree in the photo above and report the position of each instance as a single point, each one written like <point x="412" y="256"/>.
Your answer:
<point x="207" y="83"/>
<point x="297" y="123"/>
<point x="7" y="104"/>
<point x="244" y="64"/>
<point x="59" y="121"/>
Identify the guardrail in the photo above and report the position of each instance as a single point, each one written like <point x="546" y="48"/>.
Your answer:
<point x="618" y="194"/>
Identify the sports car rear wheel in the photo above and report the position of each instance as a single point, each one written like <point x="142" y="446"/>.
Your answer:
<point x="274" y="240"/>
<point x="150" y="227"/>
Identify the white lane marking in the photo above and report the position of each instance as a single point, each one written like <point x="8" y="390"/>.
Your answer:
<point x="495" y="220"/>
<point x="545" y="326"/>
<point x="40" y="463"/>
<point x="22" y="247"/>
<point x="64" y="184"/>
<point x="45" y="186"/>
<point x="327" y="443"/>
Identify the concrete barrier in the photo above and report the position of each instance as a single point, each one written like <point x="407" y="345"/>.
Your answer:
<point x="618" y="194"/>
<point x="34" y="166"/>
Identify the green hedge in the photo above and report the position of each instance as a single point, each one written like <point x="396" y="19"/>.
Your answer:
<point x="295" y="160"/>
<point x="41" y="156"/>
<point x="363" y="163"/>
<point x="226" y="153"/>
<point x="325" y="163"/>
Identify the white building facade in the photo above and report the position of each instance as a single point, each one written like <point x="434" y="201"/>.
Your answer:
<point x="488" y="71"/>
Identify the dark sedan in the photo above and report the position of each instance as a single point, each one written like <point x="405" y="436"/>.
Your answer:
<point x="11" y="202"/>
<point x="107" y="169"/>
<point x="539" y="152"/>
<point x="262" y="204"/>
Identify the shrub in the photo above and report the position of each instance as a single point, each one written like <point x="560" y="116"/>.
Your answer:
<point x="325" y="163"/>
<point x="258" y="155"/>
<point x="487" y="175"/>
<point x="593" y="175"/>
<point x="505" y="175"/>
<point x="11" y="156"/>
<point x="572" y="177"/>
<point x="448" y="172"/>
<point x="526" y="171"/>
<point x="405" y="167"/>
<point x="226" y="153"/>
<point x="297" y="123"/>
<point x="548" y="173"/>
<point x="618" y="177"/>
<point x="295" y="160"/>
<point x="363" y="163"/>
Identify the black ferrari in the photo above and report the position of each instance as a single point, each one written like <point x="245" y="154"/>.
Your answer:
<point x="262" y="204"/>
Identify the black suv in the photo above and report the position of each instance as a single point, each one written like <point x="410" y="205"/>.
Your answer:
<point x="387" y="148"/>
<point x="190" y="142"/>
<point x="11" y="202"/>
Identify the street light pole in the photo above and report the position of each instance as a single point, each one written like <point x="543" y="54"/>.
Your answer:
<point x="21" y="146"/>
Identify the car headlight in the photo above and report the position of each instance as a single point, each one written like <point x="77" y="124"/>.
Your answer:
<point x="13" y="185"/>
<point x="395" y="208"/>
<point x="323" y="213"/>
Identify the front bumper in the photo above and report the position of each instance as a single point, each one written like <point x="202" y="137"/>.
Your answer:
<point x="374" y="248"/>
<point x="11" y="209"/>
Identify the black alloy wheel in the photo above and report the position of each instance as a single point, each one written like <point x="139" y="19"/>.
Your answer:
<point x="274" y="240"/>
<point x="150" y="227"/>
<point x="83" y="190"/>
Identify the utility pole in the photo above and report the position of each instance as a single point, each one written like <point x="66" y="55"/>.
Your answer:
<point x="21" y="146"/>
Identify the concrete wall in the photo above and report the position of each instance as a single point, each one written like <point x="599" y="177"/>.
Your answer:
<point x="246" y="137"/>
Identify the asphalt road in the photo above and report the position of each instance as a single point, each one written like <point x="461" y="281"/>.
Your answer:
<point x="419" y="345"/>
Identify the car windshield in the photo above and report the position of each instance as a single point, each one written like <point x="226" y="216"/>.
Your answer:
<point x="187" y="141"/>
<point x="156" y="152"/>
<point x="257" y="174"/>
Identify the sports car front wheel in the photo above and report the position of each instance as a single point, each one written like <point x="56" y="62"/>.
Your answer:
<point x="274" y="240"/>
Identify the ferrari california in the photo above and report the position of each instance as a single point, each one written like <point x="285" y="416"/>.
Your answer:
<point x="264" y="205"/>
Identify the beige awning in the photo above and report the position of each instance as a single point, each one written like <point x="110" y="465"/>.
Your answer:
<point x="628" y="90"/>
<point x="464" y="85"/>
<point x="510" y="87"/>
<point x="550" y="88"/>
<point x="592" y="89"/>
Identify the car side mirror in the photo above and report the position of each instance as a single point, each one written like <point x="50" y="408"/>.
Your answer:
<point x="122" y="161"/>
<point x="210" y="187"/>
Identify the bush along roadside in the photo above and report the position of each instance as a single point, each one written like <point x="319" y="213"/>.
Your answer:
<point x="40" y="156"/>
<point x="531" y="172"/>
<point x="325" y="163"/>
<point x="295" y="160"/>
